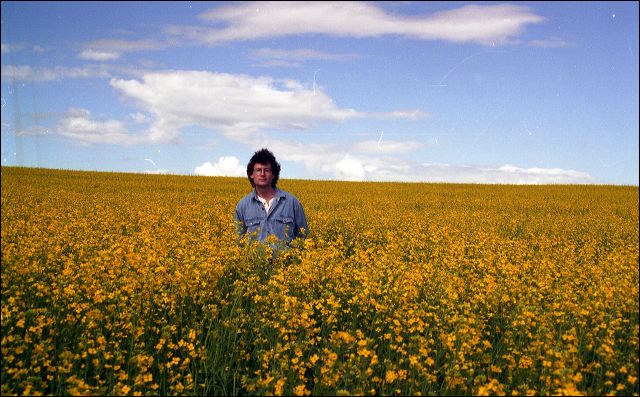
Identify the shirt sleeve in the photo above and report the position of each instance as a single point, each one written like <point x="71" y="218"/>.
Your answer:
<point x="241" y="228"/>
<point x="301" y="229"/>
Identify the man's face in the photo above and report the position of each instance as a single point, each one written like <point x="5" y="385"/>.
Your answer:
<point x="262" y="175"/>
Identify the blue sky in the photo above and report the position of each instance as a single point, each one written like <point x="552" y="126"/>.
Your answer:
<point x="481" y="92"/>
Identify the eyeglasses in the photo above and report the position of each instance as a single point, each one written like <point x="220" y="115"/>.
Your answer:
<point x="262" y="170"/>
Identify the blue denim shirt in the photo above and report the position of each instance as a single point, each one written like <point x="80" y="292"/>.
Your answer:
<point x="285" y="219"/>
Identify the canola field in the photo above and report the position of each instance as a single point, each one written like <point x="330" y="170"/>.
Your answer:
<point x="126" y="284"/>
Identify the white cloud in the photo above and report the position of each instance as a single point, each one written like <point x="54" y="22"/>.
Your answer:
<point x="300" y="54"/>
<point x="411" y="114"/>
<point x="244" y="108"/>
<point x="332" y="161"/>
<point x="390" y="169"/>
<point x="139" y="118"/>
<point x="506" y="174"/>
<point x="6" y="48"/>
<point x="94" y="55"/>
<point x="385" y="146"/>
<point x="225" y="166"/>
<point x="512" y="174"/>
<point x="488" y="25"/>
<point x="553" y="42"/>
<point x="156" y="172"/>
<point x="27" y="73"/>
<point x="78" y="125"/>
<point x="278" y="63"/>
<point x="239" y="106"/>
<point x="270" y="57"/>
<point x="108" y="50"/>
<point x="349" y="169"/>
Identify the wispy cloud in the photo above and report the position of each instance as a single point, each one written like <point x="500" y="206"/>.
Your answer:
<point x="94" y="55"/>
<point x="15" y="47"/>
<point x="7" y="47"/>
<point x="553" y="42"/>
<point x="300" y="54"/>
<point x="359" y="162"/>
<point x="59" y="73"/>
<point x="410" y="114"/>
<point x="385" y="146"/>
<point x="271" y="57"/>
<point x="78" y="125"/>
<point x="157" y="172"/>
<point x="487" y="25"/>
<point x="506" y="174"/>
<point x="107" y="50"/>
<point x="337" y="162"/>
<point x="278" y="63"/>
<point x="246" y="108"/>
<point x="41" y="74"/>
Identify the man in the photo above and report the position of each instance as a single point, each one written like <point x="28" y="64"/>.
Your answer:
<point x="268" y="210"/>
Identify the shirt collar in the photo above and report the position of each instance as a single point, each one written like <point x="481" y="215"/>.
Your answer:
<point x="279" y="194"/>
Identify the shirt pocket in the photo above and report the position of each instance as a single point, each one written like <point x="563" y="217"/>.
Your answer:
<point x="253" y="224"/>
<point x="283" y="225"/>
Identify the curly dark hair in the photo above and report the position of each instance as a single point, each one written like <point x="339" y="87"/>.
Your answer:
<point x="264" y="156"/>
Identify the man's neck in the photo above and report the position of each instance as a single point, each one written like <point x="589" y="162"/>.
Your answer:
<point x="266" y="193"/>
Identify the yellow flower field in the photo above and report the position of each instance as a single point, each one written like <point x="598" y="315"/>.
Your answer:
<point x="126" y="284"/>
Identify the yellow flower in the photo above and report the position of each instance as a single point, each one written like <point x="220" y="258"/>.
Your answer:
<point x="299" y="390"/>
<point x="278" y="387"/>
<point x="409" y="272"/>
<point x="390" y="376"/>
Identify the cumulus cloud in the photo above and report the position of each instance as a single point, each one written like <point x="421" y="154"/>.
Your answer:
<point x="239" y="106"/>
<point x="244" y="108"/>
<point x="225" y="166"/>
<point x="349" y="168"/>
<point x="488" y="25"/>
